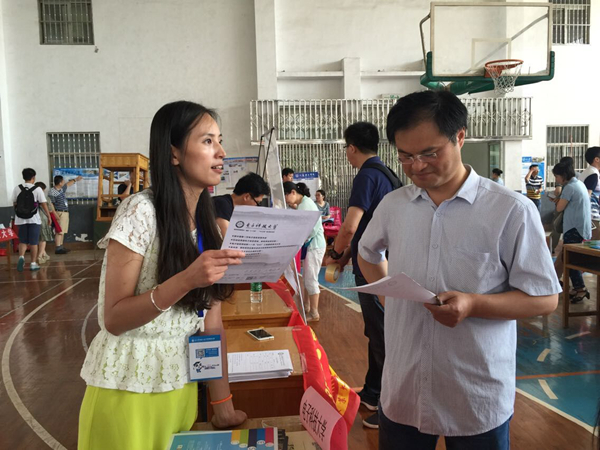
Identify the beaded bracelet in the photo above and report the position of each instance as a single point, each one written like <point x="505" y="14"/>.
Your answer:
<point x="226" y="399"/>
<point x="154" y="303"/>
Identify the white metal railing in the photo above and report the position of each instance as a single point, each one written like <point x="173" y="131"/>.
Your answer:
<point x="324" y="121"/>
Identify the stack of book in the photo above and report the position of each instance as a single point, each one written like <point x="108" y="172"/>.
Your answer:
<point x="256" y="438"/>
<point x="252" y="366"/>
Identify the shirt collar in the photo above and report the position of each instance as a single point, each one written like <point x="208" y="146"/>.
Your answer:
<point x="468" y="190"/>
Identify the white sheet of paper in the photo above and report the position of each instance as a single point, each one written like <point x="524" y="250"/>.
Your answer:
<point x="270" y="238"/>
<point x="399" y="286"/>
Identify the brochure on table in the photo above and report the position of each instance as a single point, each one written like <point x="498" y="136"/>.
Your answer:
<point x="251" y="366"/>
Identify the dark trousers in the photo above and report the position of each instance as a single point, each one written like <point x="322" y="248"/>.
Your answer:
<point x="372" y="311"/>
<point x="395" y="436"/>
<point x="572" y="236"/>
<point x="538" y="203"/>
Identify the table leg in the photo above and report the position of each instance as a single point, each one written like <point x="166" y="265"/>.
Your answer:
<point x="566" y="288"/>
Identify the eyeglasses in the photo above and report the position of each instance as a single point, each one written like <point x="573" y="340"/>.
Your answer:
<point x="346" y="145"/>
<point x="426" y="158"/>
<point x="257" y="203"/>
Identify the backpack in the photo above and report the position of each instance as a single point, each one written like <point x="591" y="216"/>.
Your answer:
<point x="26" y="206"/>
<point x="389" y="173"/>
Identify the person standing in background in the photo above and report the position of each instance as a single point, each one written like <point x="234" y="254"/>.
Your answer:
<point x="287" y="174"/>
<point x="46" y="234"/>
<point x="496" y="176"/>
<point x="298" y="196"/>
<point x="373" y="181"/>
<point x="322" y="204"/>
<point x="58" y="197"/>
<point x="534" y="185"/>
<point x="590" y="177"/>
<point x="27" y="199"/>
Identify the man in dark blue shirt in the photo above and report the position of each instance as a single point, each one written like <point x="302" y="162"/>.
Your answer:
<point x="372" y="182"/>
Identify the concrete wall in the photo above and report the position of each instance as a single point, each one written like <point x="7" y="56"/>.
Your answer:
<point x="146" y="53"/>
<point x="223" y="54"/>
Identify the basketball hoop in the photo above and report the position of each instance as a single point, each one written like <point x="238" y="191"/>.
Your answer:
<point x="504" y="72"/>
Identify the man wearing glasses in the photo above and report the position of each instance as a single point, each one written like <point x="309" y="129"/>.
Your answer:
<point x="450" y="369"/>
<point x="372" y="182"/>
<point x="249" y="190"/>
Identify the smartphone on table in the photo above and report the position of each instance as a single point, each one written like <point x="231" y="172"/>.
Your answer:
<point x="260" y="334"/>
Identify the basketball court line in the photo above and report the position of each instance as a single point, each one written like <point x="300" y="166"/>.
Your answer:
<point x="29" y="301"/>
<point x="46" y="291"/>
<point x="573" y="336"/>
<point x="546" y="388"/>
<point x="38" y="429"/>
<point x="543" y="355"/>
<point x="557" y="411"/>
<point x="557" y="375"/>
<point x="32" y="281"/>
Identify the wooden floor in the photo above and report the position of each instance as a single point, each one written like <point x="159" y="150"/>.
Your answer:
<point x="48" y="318"/>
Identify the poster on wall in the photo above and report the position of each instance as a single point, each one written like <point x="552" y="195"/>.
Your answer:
<point x="311" y="179"/>
<point x="87" y="187"/>
<point x="233" y="170"/>
<point x="526" y="163"/>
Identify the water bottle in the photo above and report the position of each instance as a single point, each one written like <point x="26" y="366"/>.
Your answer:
<point x="256" y="292"/>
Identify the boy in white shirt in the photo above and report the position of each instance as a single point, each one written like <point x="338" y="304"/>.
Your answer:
<point x="27" y="218"/>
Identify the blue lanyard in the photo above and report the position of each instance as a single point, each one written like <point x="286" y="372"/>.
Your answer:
<point x="200" y="247"/>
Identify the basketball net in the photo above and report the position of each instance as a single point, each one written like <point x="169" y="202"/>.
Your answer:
<point x="504" y="73"/>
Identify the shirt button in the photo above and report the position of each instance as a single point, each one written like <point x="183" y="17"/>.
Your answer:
<point x="435" y="246"/>
<point x="425" y="379"/>
<point x="438" y="214"/>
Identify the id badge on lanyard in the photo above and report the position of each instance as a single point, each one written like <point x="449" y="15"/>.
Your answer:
<point x="204" y="351"/>
<point x="205" y="358"/>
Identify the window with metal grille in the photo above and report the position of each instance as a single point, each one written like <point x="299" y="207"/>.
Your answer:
<point x="74" y="150"/>
<point x="67" y="22"/>
<point x="571" y="22"/>
<point x="562" y="141"/>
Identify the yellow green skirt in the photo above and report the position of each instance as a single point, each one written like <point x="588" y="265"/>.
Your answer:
<point x="114" y="419"/>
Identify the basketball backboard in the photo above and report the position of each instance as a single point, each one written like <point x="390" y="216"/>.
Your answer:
<point x="466" y="35"/>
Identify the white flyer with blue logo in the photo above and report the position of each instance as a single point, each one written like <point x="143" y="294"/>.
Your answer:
<point x="205" y="358"/>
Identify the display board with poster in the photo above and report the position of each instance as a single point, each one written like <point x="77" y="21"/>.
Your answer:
<point x="526" y="162"/>
<point x="86" y="188"/>
<point x="311" y="179"/>
<point x="233" y="170"/>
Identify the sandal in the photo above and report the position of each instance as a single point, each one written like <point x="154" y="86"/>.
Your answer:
<point x="580" y="295"/>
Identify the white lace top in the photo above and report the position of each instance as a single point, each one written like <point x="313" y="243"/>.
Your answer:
<point x="153" y="357"/>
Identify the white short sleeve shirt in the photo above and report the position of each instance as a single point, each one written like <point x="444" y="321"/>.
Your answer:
<point x="153" y="357"/>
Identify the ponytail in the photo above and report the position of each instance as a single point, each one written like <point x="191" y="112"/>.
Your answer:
<point x="303" y="189"/>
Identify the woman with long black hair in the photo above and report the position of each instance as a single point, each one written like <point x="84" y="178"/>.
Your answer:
<point x="157" y="288"/>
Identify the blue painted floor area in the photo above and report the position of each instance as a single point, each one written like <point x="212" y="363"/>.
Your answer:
<point x="578" y="392"/>
<point x="346" y="279"/>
